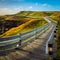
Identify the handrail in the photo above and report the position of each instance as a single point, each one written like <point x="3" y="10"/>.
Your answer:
<point x="14" y="40"/>
<point x="50" y="38"/>
<point x="17" y="36"/>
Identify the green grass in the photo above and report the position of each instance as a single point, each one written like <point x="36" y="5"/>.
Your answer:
<point x="25" y="27"/>
<point x="34" y="25"/>
<point x="30" y="13"/>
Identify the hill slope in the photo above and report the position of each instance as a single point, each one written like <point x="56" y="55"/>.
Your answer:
<point x="27" y="26"/>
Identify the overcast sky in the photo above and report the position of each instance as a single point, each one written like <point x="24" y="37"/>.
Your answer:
<point x="14" y="6"/>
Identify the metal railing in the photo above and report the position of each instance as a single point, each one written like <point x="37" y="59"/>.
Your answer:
<point x="50" y="38"/>
<point x="12" y="42"/>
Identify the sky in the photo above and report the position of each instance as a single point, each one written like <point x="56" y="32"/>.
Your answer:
<point x="15" y="6"/>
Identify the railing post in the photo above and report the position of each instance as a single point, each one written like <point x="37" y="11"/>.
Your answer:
<point x="20" y="40"/>
<point x="19" y="44"/>
<point x="50" y="45"/>
<point x="36" y="34"/>
<point x="50" y="49"/>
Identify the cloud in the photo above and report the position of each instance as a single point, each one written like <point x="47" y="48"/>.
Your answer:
<point x="42" y="5"/>
<point x="45" y="5"/>
<point x="3" y="11"/>
<point x="7" y="11"/>
<point x="30" y="7"/>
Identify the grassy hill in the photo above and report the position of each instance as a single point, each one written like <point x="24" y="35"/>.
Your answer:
<point x="27" y="26"/>
<point x="26" y="23"/>
<point x="30" y="13"/>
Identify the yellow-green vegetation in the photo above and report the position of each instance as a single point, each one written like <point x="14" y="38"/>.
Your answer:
<point x="30" y="13"/>
<point x="1" y="18"/>
<point x="34" y="24"/>
<point x="27" y="26"/>
<point x="23" y="13"/>
<point x="18" y="18"/>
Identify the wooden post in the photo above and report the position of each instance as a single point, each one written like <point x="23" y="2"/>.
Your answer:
<point x="55" y="43"/>
<point x="20" y="40"/>
<point x="50" y="49"/>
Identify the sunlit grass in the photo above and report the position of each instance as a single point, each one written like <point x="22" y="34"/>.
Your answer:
<point x="27" y="26"/>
